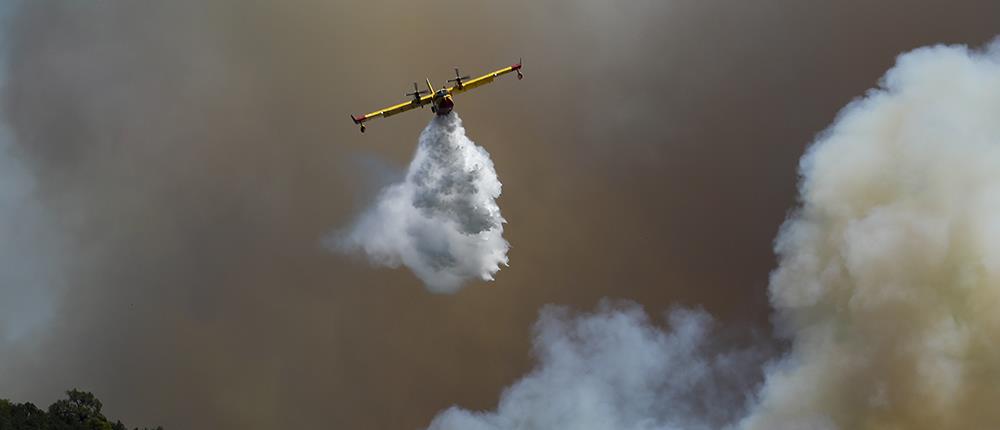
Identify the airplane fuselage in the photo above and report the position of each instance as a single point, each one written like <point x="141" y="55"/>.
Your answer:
<point x="443" y="103"/>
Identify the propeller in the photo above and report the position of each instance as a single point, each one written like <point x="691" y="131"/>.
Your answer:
<point x="458" y="78"/>
<point x="520" y="62"/>
<point x="417" y="92"/>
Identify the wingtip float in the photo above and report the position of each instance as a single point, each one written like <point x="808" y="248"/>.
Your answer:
<point x="441" y="101"/>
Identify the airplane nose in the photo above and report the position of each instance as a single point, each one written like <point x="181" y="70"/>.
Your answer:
<point x="445" y="105"/>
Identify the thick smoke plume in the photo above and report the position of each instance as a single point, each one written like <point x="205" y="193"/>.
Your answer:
<point x="442" y="221"/>
<point x="615" y="369"/>
<point x="888" y="288"/>
<point x="890" y="273"/>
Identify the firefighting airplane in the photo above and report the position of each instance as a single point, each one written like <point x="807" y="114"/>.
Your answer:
<point x="441" y="100"/>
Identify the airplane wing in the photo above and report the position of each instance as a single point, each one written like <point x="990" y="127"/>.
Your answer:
<point x="392" y="110"/>
<point x="486" y="79"/>
<point x="459" y="87"/>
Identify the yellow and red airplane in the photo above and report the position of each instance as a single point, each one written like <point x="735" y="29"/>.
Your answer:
<point x="441" y="100"/>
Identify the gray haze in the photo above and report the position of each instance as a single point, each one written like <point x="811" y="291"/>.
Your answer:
<point x="189" y="155"/>
<point x="29" y="256"/>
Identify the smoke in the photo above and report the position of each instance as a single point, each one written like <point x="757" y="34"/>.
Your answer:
<point x="186" y="153"/>
<point x="442" y="221"/>
<point x="887" y="288"/>
<point x="27" y="250"/>
<point x="615" y="369"/>
<point x="890" y="272"/>
<point x="27" y="242"/>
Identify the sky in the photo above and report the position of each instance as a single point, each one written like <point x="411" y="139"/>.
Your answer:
<point x="181" y="162"/>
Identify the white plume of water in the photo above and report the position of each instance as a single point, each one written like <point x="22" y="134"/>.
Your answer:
<point x="442" y="221"/>
<point x="888" y="288"/>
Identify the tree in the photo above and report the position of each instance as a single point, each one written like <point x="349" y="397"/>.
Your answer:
<point x="5" y="408"/>
<point x="22" y="416"/>
<point x="81" y="410"/>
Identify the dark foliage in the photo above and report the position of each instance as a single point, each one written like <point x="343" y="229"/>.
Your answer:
<point x="80" y="410"/>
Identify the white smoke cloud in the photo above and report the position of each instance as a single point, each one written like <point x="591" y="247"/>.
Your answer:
<point x="888" y="288"/>
<point x="889" y="279"/>
<point x="442" y="221"/>
<point x="615" y="369"/>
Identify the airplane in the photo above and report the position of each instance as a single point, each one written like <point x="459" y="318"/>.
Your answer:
<point x="441" y="100"/>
